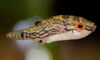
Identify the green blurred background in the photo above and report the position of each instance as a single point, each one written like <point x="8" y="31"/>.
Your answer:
<point x="12" y="11"/>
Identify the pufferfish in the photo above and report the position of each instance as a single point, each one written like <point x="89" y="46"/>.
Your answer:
<point x="56" y="28"/>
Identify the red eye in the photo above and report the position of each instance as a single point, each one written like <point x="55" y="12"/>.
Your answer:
<point x="80" y="26"/>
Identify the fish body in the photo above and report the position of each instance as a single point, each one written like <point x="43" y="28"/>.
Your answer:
<point x="56" y="28"/>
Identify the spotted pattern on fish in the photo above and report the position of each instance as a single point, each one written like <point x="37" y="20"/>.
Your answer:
<point x="49" y="27"/>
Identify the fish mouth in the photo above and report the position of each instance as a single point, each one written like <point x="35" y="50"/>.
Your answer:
<point x="92" y="28"/>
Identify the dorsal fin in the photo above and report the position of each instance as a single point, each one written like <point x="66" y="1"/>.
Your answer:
<point x="37" y="23"/>
<point x="26" y="23"/>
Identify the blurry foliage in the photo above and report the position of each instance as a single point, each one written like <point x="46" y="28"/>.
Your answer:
<point x="13" y="10"/>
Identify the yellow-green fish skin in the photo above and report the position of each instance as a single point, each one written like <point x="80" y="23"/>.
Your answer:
<point x="52" y="26"/>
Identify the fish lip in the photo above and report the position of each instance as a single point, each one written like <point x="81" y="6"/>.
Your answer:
<point x="93" y="28"/>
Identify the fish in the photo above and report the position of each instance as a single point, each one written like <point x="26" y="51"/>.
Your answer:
<point x="56" y="28"/>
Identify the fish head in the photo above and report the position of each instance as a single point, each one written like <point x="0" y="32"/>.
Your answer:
<point x="80" y="28"/>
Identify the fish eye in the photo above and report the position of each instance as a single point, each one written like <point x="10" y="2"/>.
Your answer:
<point x="80" y="26"/>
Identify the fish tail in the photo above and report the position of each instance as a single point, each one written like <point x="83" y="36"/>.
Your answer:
<point x="15" y="35"/>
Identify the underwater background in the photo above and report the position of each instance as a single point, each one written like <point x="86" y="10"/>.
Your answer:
<point x="14" y="11"/>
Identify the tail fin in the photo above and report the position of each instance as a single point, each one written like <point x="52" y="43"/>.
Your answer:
<point x="14" y="35"/>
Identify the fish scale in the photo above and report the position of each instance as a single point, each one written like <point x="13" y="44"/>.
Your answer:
<point x="54" y="26"/>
